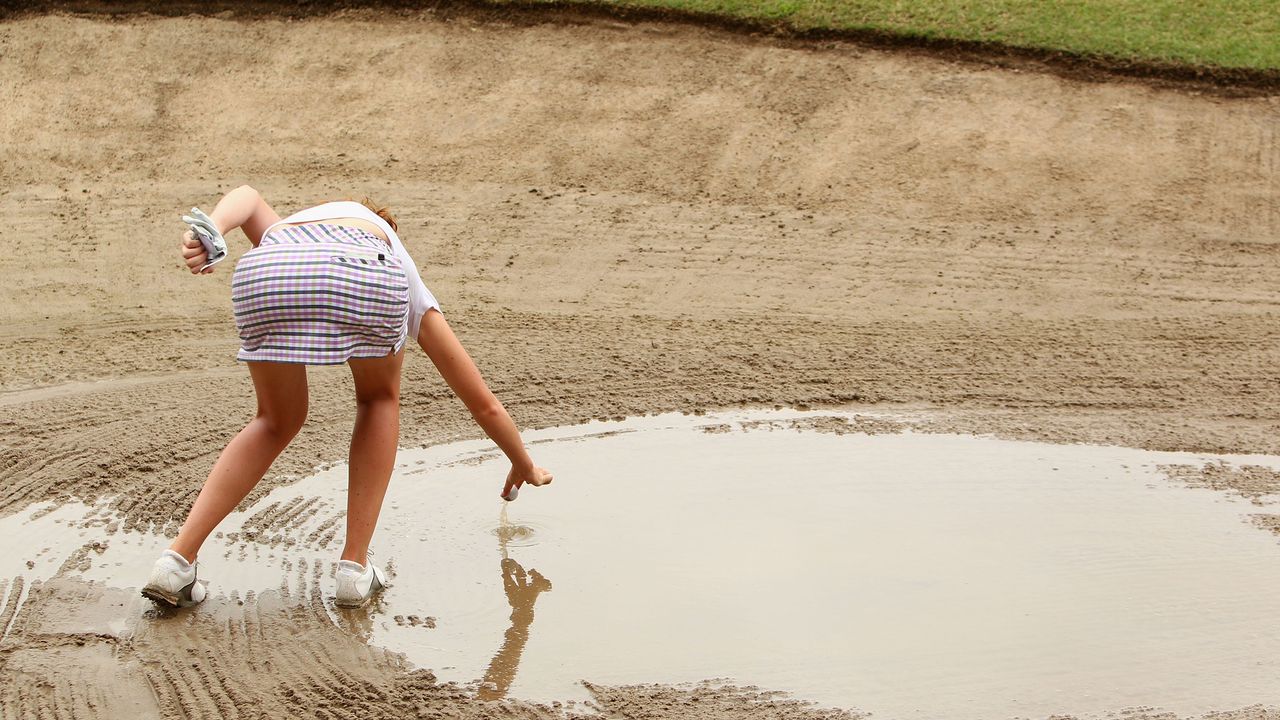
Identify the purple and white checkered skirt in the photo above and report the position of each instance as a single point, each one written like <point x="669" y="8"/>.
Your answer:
<point x="319" y="294"/>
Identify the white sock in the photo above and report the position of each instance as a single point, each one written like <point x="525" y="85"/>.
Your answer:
<point x="182" y="562"/>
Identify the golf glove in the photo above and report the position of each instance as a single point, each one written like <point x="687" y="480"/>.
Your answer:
<point x="203" y="228"/>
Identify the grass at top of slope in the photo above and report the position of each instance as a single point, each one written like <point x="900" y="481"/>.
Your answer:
<point x="1221" y="33"/>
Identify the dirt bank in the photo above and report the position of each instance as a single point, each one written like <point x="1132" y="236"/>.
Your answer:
<point x="617" y="220"/>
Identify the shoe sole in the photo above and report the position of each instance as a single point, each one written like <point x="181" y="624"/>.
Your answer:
<point x="161" y="596"/>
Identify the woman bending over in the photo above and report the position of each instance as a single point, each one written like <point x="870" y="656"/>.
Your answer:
<point x="329" y="285"/>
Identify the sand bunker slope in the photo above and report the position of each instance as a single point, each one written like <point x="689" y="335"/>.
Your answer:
<point x="618" y="220"/>
<point x="623" y="220"/>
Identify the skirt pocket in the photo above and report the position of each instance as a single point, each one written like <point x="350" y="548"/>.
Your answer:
<point x="374" y="285"/>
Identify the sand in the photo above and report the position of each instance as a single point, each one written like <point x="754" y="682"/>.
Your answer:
<point x="618" y="219"/>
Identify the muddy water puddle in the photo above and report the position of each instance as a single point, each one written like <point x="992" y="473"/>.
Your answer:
<point x="906" y="575"/>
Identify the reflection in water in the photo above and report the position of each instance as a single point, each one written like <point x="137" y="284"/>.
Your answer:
<point x="522" y="591"/>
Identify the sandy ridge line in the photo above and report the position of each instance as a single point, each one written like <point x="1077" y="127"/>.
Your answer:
<point x="1224" y="81"/>
<point x="14" y="398"/>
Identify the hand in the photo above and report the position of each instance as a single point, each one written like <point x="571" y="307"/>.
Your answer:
<point x="205" y="231"/>
<point x="194" y="254"/>
<point x="539" y="582"/>
<point x="534" y="475"/>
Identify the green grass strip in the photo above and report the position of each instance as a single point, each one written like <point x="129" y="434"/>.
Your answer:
<point x="1223" y="33"/>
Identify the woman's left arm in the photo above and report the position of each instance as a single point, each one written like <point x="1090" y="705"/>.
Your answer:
<point x="241" y="208"/>
<point x="244" y="208"/>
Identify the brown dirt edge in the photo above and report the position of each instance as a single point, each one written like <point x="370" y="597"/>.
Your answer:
<point x="1225" y="81"/>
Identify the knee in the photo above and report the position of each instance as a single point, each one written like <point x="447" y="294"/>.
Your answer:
<point x="382" y="398"/>
<point x="283" y="425"/>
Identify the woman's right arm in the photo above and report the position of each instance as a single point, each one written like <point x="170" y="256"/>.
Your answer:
<point x="241" y="208"/>
<point x="460" y="372"/>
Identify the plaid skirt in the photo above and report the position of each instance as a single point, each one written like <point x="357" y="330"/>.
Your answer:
<point x="319" y="294"/>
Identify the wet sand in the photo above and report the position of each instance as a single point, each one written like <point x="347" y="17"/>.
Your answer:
<point x="1010" y="578"/>
<point x="618" y="220"/>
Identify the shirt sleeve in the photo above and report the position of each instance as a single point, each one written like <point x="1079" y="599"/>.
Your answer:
<point x="420" y="298"/>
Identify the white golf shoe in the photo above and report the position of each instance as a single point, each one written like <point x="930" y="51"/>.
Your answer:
<point x="173" y="582"/>
<point x="357" y="583"/>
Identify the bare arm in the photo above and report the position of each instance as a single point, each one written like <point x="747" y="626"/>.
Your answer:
<point x="241" y="208"/>
<point x="459" y="371"/>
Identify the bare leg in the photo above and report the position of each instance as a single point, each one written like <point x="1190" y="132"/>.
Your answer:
<point x="282" y="408"/>
<point x="373" y="448"/>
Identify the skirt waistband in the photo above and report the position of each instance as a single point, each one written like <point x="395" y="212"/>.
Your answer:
<point x="324" y="233"/>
